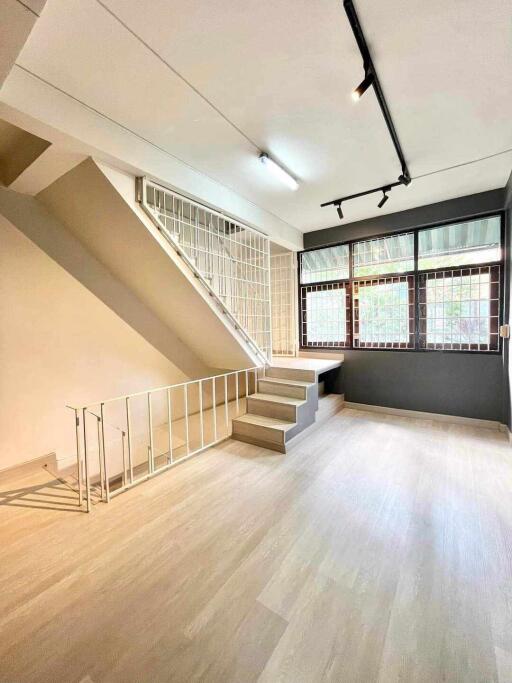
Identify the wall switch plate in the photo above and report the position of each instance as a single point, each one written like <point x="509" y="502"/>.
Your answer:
<point x="505" y="331"/>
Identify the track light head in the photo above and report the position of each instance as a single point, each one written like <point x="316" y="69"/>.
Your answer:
<point x="358" y="92"/>
<point x="384" y="198"/>
<point x="340" y="212"/>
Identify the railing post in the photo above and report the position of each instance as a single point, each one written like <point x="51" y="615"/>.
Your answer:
<point x="87" y="482"/>
<point x="129" y="435"/>
<point x="201" y="426"/>
<point x="78" y="459"/>
<point x="107" y="484"/>
<point x="123" y="435"/>
<point x="226" y="415"/>
<point x="236" y="393"/>
<point x="151" y="455"/>
<point x="100" y="458"/>
<point x="214" y="399"/>
<point x="169" y="420"/>
<point x="185" y="392"/>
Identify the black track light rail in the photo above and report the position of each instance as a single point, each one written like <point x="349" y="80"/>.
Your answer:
<point x="369" y="70"/>
<point x="381" y="188"/>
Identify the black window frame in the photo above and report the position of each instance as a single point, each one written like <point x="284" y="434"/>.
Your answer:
<point x="414" y="273"/>
<point x="323" y="286"/>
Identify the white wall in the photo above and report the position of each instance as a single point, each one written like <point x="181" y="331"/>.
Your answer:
<point x="59" y="344"/>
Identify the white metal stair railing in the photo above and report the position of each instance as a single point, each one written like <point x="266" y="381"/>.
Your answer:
<point x="123" y="441"/>
<point x="231" y="260"/>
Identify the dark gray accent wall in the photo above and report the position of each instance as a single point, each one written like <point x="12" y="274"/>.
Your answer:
<point x="450" y="383"/>
<point x="435" y="382"/>
<point x="507" y="398"/>
<point x="450" y="210"/>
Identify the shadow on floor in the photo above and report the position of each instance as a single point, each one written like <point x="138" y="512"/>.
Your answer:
<point x="53" y="494"/>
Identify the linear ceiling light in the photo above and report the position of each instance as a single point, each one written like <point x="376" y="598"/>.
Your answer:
<point x="278" y="172"/>
<point x="358" y="92"/>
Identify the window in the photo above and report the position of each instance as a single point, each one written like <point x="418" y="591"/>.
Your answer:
<point x="384" y="313"/>
<point x="322" y="265"/>
<point x="325" y="316"/>
<point x="460" y="244"/>
<point x="459" y="309"/>
<point x="393" y="254"/>
<point x="429" y="289"/>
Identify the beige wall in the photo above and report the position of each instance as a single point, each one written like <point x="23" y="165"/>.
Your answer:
<point x="59" y="344"/>
<point x="97" y="206"/>
<point x="16" y="22"/>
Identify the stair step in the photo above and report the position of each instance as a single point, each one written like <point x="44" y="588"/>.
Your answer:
<point x="263" y="421"/>
<point x="286" y="382"/>
<point x="284" y="387"/>
<point x="272" y="405"/>
<point x="291" y="373"/>
<point x="261" y="430"/>
<point x="275" y="398"/>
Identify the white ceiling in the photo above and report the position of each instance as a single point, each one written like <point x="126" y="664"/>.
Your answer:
<point x="281" y="72"/>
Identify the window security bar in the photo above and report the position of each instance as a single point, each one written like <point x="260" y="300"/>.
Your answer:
<point x="231" y="260"/>
<point x="123" y="441"/>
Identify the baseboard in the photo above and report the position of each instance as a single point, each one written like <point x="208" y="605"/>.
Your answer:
<point x="420" y="415"/>
<point x="504" y="428"/>
<point x="20" y="468"/>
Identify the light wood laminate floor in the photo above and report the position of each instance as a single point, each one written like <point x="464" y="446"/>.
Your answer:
<point x="378" y="549"/>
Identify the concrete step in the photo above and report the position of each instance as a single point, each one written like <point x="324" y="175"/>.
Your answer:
<point x="272" y="405"/>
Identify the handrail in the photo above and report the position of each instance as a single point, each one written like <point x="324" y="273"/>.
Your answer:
<point x="204" y="207"/>
<point x="98" y="417"/>
<point x="224" y="275"/>
<point x="130" y="444"/>
<point x="163" y="388"/>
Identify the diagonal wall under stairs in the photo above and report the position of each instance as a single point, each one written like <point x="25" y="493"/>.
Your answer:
<point x="98" y="205"/>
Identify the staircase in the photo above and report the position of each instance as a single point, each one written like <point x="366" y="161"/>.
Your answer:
<point x="285" y="403"/>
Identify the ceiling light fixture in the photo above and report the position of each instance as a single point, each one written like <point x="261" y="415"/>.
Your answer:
<point x="371" y="78"/>
<point x="358" y="92"/>
<point x="340" y="211"/>
<point x="278" y="172"/>
<point x="384" y="197"/>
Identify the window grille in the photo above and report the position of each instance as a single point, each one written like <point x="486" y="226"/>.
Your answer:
<point x="459" y="244"/>
<point x="459" y="309"/>
<point x="322" y="265"/>
<point x="384" y="313"/>
<point x="393" y="254"/>
<point x="325" y="311"/>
